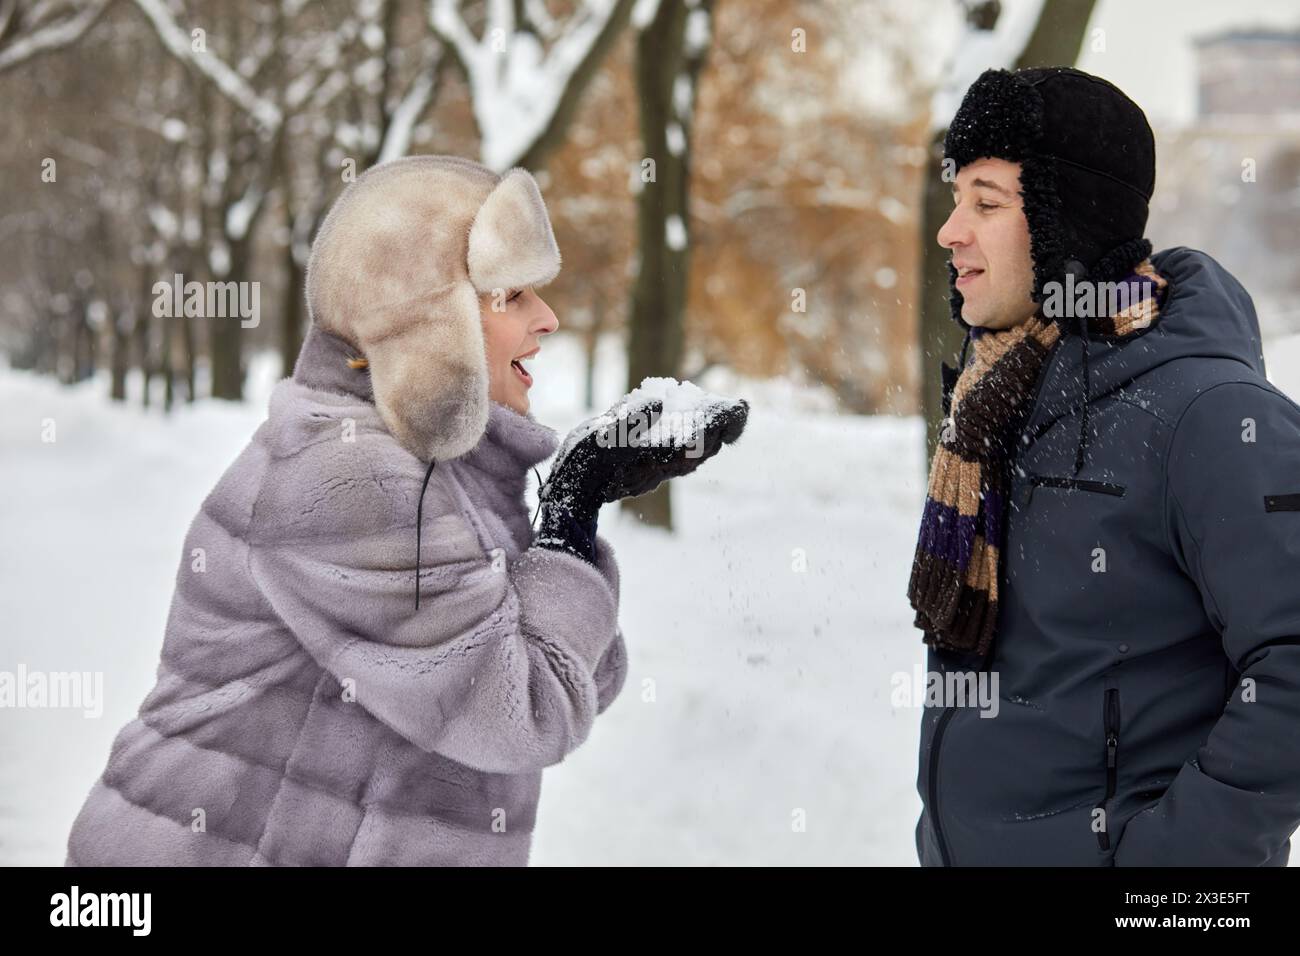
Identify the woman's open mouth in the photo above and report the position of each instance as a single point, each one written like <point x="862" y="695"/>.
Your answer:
<point x="518" y="365"/>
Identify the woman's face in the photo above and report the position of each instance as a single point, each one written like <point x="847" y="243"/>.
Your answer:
<point x="513" y="322"/>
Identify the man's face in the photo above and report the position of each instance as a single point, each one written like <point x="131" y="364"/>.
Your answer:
<point x="989" y="239"/>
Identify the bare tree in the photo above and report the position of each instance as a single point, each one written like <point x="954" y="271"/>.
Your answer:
<point x="328" y="68"/>
<point x="29" y="29"/>
<point x="672" y="44"/>
<point x="382" y="84"/>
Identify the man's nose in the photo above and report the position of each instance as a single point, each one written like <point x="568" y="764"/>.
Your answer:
<point x="955" y="231"/>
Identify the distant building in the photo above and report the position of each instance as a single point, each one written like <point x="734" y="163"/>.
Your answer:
<point x="1229" y="183"/>
<point x="1248" y="73"/>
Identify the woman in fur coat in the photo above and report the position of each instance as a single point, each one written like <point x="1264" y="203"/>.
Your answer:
<point x="370" y="656"/>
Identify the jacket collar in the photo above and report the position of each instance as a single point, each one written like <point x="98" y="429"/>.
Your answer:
<point x="1204" y="313"/>
<point x="511" y="443"/>
<point x="323" y="364"/>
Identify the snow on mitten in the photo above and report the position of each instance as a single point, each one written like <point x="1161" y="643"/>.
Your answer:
<point x="662" y="429"/>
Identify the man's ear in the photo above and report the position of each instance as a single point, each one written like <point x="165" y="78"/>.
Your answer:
<point x="511" y="244"/>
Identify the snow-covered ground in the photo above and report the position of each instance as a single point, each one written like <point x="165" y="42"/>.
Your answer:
<point x="755" y="727"/>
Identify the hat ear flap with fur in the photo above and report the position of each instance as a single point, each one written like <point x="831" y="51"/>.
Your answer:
<point x="511" y="244"/>
<point x="430" y="380"/>
<point x="397" y="270"/>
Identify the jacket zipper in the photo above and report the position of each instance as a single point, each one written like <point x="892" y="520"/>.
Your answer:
<point x="1230" y="676"/>
<point x="944" y="855"/>
<point x="1111" y="717"/>
<point x="934" y="783"/>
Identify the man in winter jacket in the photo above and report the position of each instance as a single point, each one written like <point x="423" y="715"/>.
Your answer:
<point x="1112" y="526"/>
<point x="370" y="657"/>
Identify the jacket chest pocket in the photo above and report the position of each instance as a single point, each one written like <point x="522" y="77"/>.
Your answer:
<point x="1093" y="486"/>
<point x="1078" y="554"/>
<point x="1059" y="519"/>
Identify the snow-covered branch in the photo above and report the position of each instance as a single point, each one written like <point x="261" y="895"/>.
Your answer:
<point x="240" y="213"/>
<point x="979" y="48"/>
<point x="46" y="36"/>
<point x="518" y="87"/>
<point x="541" y="19"/>
<point x="227" y="81"/>
<point x="643" y="12"/>
<point x="397" y="138"/>
<point x="446" y="21"/>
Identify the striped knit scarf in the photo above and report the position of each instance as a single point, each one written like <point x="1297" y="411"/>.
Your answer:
<point x="954" y="584"/>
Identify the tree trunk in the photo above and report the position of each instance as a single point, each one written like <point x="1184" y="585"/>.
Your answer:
<point x="191" y="347"/>
<point x="293" y="310"/>
<point x="146" y="360"/>
<point x="166" y="364"/>
<point x="224" y="352"/>
<point x="225" y="341"/>
<point x="657" y="315"/>
<point x="539" y="151"/>
<point x="1058" y="35"/>
<point x="591" y="345"/>
<point x="83" y="349"/>
<point x="121" y="360"/>
<point x="940" y="335"/>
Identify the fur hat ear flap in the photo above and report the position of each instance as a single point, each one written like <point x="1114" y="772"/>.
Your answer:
<point x="511" y="244"/>
<point x="429" y="378"/>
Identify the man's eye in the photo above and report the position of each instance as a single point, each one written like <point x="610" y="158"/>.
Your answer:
<point x="985" y="206"/>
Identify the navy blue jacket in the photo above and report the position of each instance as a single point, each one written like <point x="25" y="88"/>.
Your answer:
<point x="1148" y="648"/>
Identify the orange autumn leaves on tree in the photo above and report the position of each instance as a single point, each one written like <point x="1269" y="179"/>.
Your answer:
<point x="799" y="198"/>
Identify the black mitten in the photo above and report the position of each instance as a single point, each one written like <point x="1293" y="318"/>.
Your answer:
<point x="629" y="451"/>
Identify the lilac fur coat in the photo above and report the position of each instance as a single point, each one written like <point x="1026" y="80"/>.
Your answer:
<point x="305" y="712"/>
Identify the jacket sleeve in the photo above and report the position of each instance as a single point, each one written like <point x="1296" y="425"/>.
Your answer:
<point x="611" y="672"/>
<point x="1233" y="500"/>
<point x="504" y="665"/>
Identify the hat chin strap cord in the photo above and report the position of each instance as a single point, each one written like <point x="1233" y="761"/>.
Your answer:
<point x="419" y="524"/>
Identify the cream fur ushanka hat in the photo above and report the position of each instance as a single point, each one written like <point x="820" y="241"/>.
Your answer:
<point x="396" y="271"/>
